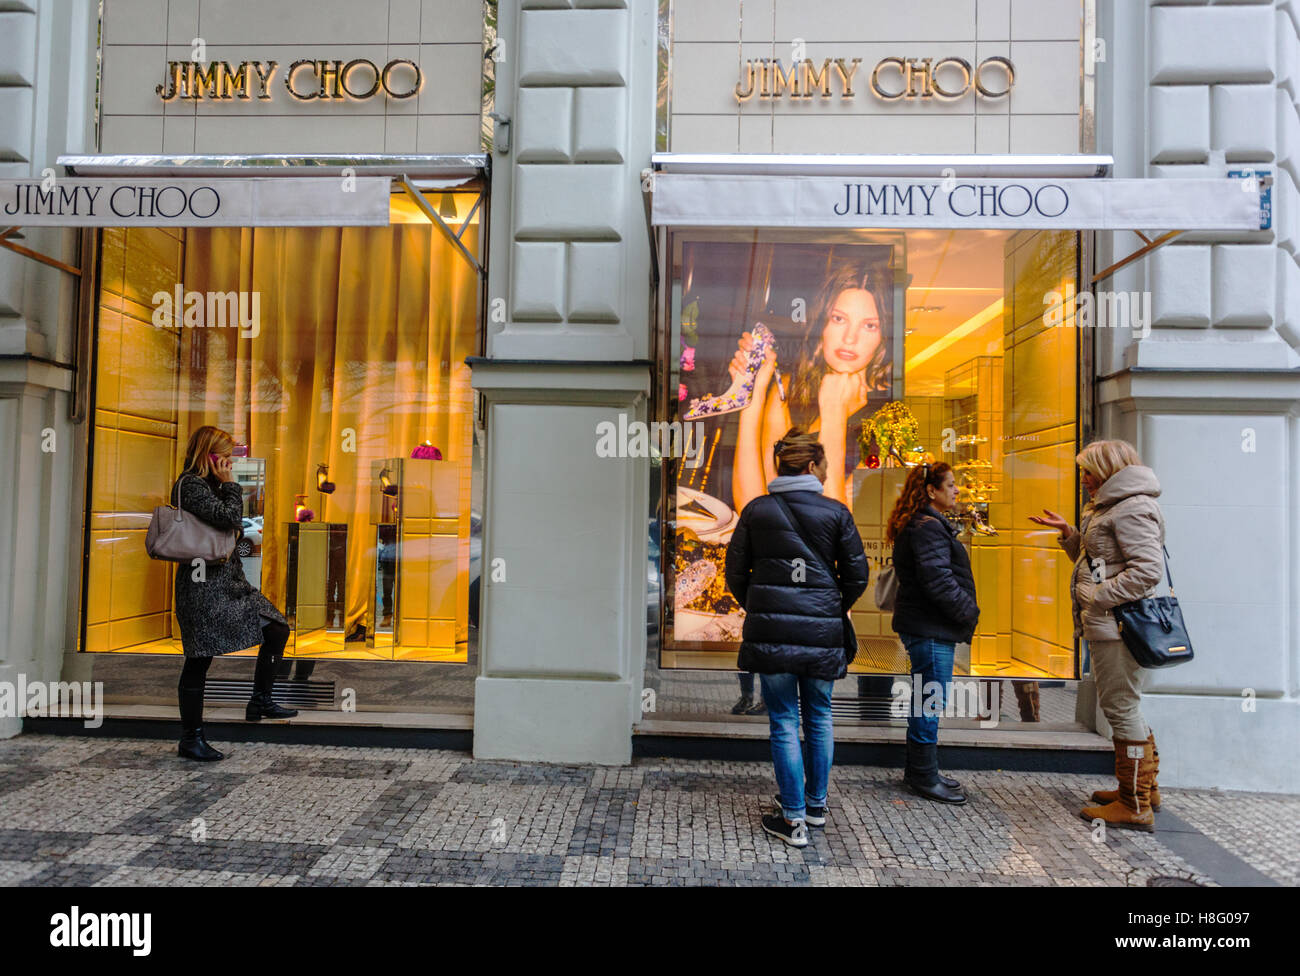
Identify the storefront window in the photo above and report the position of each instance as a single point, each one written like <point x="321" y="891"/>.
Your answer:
<point x="941" y="331"/>
<point x="335" y="357"/>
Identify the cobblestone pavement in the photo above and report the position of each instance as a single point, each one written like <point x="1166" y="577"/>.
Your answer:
<point x="98" y="811"/>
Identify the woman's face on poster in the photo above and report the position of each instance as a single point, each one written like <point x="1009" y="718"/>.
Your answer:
<point x="851" y="333"/>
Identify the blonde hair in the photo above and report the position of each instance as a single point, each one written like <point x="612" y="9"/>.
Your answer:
<point x="796" y="450"/>
<point x="1103" y="458"/>
<point x="204" y="441"/>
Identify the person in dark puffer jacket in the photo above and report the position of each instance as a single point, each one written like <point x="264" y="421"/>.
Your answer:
<point x="796" y="635"/>
<point x="935" y="610"/>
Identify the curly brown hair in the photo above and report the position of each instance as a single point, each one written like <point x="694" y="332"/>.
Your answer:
<point x="914" y="496"/>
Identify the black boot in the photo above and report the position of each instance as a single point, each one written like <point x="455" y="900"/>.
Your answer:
<point x="922" y="774"/>
<point x="192" y="744"/>
<point x="261" y="705"/>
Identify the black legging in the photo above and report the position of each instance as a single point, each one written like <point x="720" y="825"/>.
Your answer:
<point x="274" y="636"/>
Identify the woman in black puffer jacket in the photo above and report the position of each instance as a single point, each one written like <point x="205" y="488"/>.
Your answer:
<point x="935" y="610"/>
<point x="797" y="633"/>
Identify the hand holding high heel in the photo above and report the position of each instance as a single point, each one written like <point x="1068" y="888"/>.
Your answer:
<point x="740" y="363"/>
<point x="754" y="375"/>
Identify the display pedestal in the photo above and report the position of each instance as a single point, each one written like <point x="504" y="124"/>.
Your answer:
<point x="316" y="574"/>
<point x="421" y="556"/>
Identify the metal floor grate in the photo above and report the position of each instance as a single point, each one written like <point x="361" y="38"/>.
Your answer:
<point x="292" y="694"/>
<point x="862" y="709"/>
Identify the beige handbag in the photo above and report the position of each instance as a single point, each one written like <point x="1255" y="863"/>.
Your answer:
<point x="179" y="536"/>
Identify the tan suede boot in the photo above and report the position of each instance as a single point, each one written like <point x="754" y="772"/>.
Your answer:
<point x="1110" y="796"/>
<point x="1131" y="810"/>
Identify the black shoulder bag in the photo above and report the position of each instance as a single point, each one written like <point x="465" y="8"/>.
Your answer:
<point x="1152" y="628"/>
<point x="850" y="636"/>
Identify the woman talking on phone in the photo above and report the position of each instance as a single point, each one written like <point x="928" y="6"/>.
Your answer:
<point x="220" y="611"/>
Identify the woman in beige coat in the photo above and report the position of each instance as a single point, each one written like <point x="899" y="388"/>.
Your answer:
<point x="1123" y="531"/>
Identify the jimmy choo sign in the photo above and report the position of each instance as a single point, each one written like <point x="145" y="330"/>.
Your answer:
<point x="891" y="78"/>
<point x="307" y="80"/>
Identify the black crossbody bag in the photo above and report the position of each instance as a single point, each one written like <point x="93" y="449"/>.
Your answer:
<point x="1152" y="628"/>
<point x="850" y="636"/>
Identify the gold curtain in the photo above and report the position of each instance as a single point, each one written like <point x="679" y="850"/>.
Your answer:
<point x="362" y="338"/>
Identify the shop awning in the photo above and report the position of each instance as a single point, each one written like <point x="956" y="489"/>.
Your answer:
<point x="150" y="190"/>
<point x="125" y="201"/>
<point x="955" y="192"/>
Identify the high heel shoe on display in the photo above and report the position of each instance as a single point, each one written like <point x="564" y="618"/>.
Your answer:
<point x="741" y="390"/>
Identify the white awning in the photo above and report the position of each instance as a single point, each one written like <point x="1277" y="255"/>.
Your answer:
<point x="919" y="192"/>
<point x="280" y="201"/>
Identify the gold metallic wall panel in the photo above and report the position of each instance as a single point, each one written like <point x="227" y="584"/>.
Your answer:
<point x="99" y="580"/>
<point x="143" y="472"/>
<point x="112" y="264"/>
<point x="137" y="630"/>
<point x="153" y="261"/>
<point x="1045" y="262"/>
<point x="96" y="638"/>
<point x="140" y="584"/>
<point x="1040" y="399"/>
<point x="148" y="354"/>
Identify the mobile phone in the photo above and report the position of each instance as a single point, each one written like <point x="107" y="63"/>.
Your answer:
<point x="214" y="458"/>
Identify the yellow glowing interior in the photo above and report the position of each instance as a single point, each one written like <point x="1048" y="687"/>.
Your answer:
<point x="979" y="358"/>
<point x="358" y="356"/>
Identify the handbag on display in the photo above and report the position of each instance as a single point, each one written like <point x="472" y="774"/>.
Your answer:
<point x="886" y="588"/>
<point x="1152" y="628"/>
<point x="178" y="536"/>
<point x="850" y="636"/>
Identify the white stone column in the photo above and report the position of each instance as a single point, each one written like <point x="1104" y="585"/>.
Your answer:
<point x="1211" y="397"/>
<point x="47" y="87"/>
<point x="562" y="643"/>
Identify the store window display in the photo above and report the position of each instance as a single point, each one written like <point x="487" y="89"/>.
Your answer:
<point x="350" y="350"/>
<point x="895" y="347"/>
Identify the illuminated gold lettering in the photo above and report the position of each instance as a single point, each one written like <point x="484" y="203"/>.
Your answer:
<point x="884" y="63"/>
<point x="346" y="73"/>
<point x="918" y="66"/>
<point x="209" y="82"/>
<point x="846" y="75"/>
<point x="292" y="73"/>
<point x="234" y="83"/>
<point x="1005" y="65"/>
<point x="782" y="79"/>
<point x="961" y="63"/>
<point x="747" y="76"/>
<point x="264" y="76"/>
<point x="814" y="79"/>
<point x="385" y="78"/>
<point x="171" y="81"/>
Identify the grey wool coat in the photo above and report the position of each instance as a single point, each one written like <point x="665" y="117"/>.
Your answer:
<point x="224" y="612"/>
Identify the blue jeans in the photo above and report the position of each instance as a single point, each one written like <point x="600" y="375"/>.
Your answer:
<point x="801" y="784"/>
<point x="932" y="660"/>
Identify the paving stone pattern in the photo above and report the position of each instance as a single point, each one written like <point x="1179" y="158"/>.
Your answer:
<point x="85" y="811"/>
